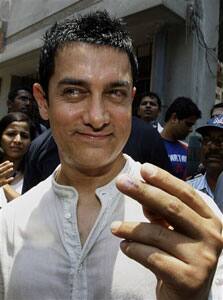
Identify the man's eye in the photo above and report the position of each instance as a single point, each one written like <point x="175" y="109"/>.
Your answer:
<point x="25" y="135"/>
<point x="71" y="91"/>
<point x="118" y="93"/>
<point x="11" y="134"/>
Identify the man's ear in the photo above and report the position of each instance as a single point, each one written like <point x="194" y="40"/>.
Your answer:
<point x="40" y="98"/>
<point x="174" y="117"/>
<point x="133" y="92"/>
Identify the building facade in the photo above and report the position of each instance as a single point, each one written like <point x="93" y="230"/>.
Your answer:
<point x="175" y="40"/>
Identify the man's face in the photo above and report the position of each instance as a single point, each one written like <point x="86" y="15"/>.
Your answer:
<point x="23" y="102"/>
<point x="217" y="111"/>
<point x="90" y="99"/>
<point x="212" y="149"/>
<point x="183" y="127"/>
<point x="148" y="109"/>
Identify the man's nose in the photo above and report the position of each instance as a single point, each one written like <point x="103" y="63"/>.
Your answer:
<point x="96" y="113"/>
<point x="28" y="102"/>
<point x="17" y="138"/>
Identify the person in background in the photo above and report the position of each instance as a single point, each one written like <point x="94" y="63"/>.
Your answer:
<point x="195" y="166"/>
<point x="211" y="155"/>
<point x="217" y="109"/>
<point x="56" y="241"/>
<point x="218" y="195"/>
<point x="21" y="99"/>
<point x="16" y="133"/>
<point x="180" y="118"/>
<point x="149" y="109"/>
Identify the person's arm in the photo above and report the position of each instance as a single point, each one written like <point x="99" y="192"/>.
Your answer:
<point x="182" y="243"/>
<point x="10" y="193"/>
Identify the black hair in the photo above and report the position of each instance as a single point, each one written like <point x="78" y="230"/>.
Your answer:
<point x="14" y="92"/>
<point x="219" y="105"/>
<point x="184" y="108"/>
<point x="151" y="95"/>
<point x="96" y="28"/>
<point x="16" y="117"/>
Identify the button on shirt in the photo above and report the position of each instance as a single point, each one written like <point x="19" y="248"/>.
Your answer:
<point x="41" y="256"/>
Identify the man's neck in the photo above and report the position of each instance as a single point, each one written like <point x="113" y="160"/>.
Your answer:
<point x="86" y="179"/>
<point x="212" y="177"/>
<point x="86" y="182"/>
<point x="167" y="134"/>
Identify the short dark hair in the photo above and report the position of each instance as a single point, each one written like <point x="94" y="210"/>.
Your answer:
<point x="96" y="28"/>
<point x="16" y="117"/>
<point x="184" y="108"/>
<point x="151" y="95"/>
<point x="13" y="93"/>
<point x="219" y="105"/>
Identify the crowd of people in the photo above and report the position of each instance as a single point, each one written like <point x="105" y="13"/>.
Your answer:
<point x="70" y="192"/>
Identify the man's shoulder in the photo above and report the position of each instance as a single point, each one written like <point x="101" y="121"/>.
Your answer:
<point x="177" y="145"/>
<point x="41" y="141"/>
<point x="23" y="206"/>
<point x="211" y="203"/>
<point x="132" y="167"/>
<point x="139" y="125"/>
<point x="196" y="179"/>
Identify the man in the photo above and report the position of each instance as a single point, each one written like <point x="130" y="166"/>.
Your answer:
<point x="43" y="157"/>
<point x="217" y="109"/>
<point x="180" y="117"/>
<point x="211" y="155"/>
<point x="55" y="240"/>
<point x="149" y="109"/>
<point x="219" y="192"/>
<point x="21" y="99"/>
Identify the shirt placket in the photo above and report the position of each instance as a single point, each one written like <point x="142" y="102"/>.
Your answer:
<point x="77" y="276"/>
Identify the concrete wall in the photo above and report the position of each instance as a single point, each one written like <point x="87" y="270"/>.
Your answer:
<point x="191" y="68"/>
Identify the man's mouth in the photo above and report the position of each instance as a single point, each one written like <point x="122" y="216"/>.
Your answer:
<point x="214" y="157"/>
<point x="94" y="136"/>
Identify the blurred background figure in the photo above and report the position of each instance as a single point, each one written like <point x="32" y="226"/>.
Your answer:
<point x="149" y="109"/>
<point x="211" y="155"/>
<point x="194" y="164"/>
<point x="216" y="110"/>
<point x="16" y="133"/>
<point x="219" y="192"/>
<point x="21" y="99"/>
<point x="180" y="118"/>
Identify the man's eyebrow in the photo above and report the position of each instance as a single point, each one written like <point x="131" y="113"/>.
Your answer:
<point x="119" y="83"/>
<point x="72" y="81"/>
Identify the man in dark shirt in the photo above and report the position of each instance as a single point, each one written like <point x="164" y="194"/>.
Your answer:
<point x="144" y="145"/>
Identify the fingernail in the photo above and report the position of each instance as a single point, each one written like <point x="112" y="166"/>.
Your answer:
<point x="115" y="225"/>
<point x="125" y="181"/>
<point x="149" y="169"/>
<point x="124" y="245"/>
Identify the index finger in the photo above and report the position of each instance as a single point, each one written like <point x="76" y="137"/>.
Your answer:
<point x="176" y="187"/>
<point x="165" y="182"/>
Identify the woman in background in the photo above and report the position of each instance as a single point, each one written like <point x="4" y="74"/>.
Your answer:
<point x="16" y="133"/>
